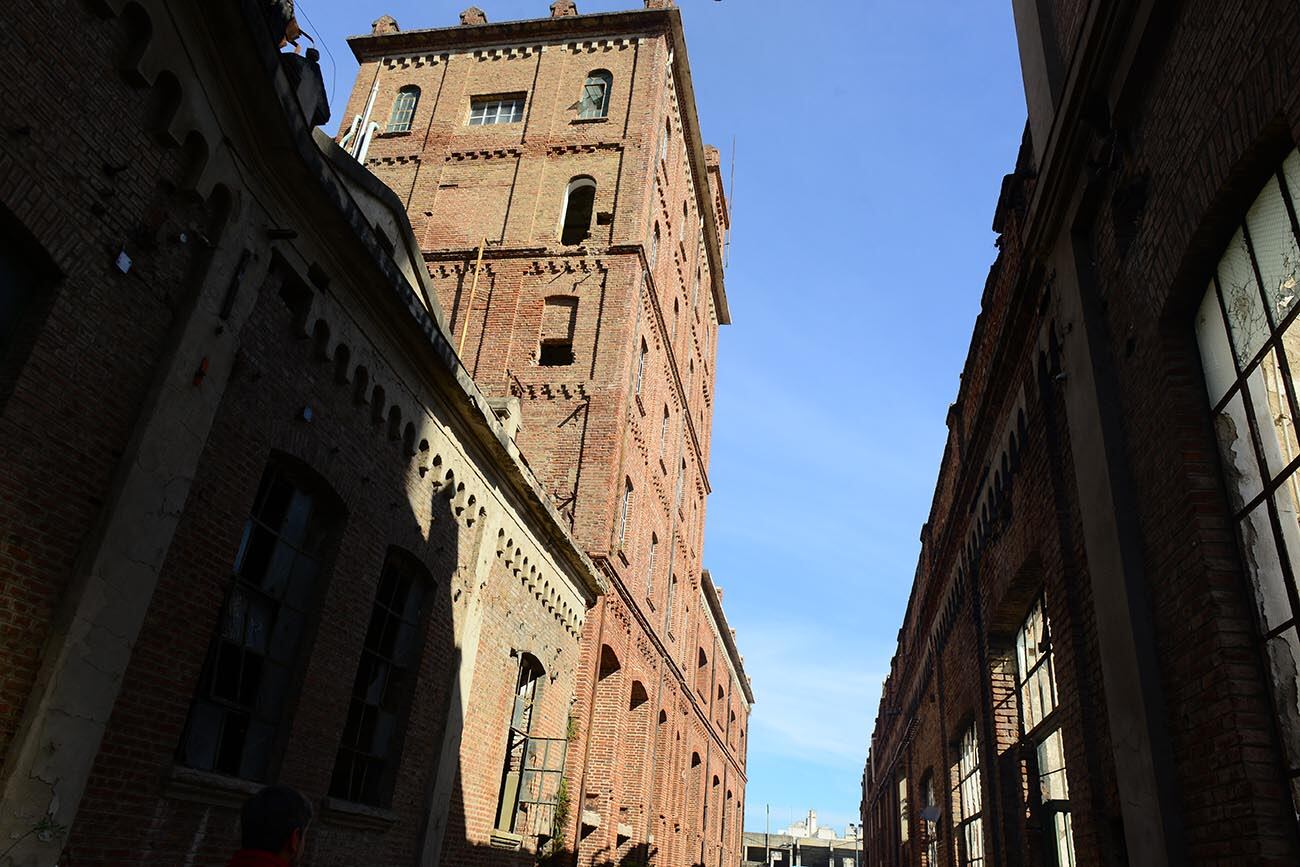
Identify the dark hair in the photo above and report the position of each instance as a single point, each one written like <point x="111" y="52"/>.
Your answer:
<point x="269" y="818"/>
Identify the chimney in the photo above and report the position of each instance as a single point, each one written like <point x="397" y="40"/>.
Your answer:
<point x="563" y="8"/>
<point x="473" y="15"/>
<point x="384" y="24"/>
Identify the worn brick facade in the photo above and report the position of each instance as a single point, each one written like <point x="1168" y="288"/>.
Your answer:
<point x="658" y="763"/>
<point x="262" y="315"/>
<point x="1082" y="474"/>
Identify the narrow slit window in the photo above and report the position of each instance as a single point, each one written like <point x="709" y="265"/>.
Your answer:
<point x="579" y="201"/>
<point x="625" y="512"/>
<point x="650" y="565"/>
<point x="640" y="367"/>
<point x="595" y="94"/>
<point x="404" y="109"/>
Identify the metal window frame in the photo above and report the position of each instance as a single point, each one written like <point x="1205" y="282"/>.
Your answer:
<point x="404" y="106"/>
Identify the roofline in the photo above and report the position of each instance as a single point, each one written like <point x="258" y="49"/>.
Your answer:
<point x="422" y="328"/>
<point x="370" y="46"/>
<point x="724" y="629"/>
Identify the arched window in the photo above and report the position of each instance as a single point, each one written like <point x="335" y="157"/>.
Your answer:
<point x="404" y="109"/>
<point x="595" y="94"/>
<point x="579" y="200"/>
<point x="238" y="713"/>
<point x="366" y="765"/>
<point x="528" y="699"/>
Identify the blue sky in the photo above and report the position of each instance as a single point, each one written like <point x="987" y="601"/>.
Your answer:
<point x="871" y="140"/>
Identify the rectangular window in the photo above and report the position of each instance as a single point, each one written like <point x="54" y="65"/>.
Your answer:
<point x="236" y="715"/>
<point x="681" y="484"/>
<point x="663" y="435"/>
<point x="967" y="800"/>
<point x="489" y="110"/>
<point x="25" y="273"/>
<point x="1037" y="693"/>
<point x="1248" y="331"/>
<point x="385" y="681"/>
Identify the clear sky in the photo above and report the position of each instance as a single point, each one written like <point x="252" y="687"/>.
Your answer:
<point x="871" y="140"/>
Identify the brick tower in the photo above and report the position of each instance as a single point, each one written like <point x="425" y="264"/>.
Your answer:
<point x="572" y="221"/>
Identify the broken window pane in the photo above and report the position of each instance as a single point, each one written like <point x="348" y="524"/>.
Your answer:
<point x="1274" y="246"/>
<point x="1268" y="395"/>
<point x="1240" y="468"/>
<point x="235" y="734"/>
<point x="1246" y="319"/>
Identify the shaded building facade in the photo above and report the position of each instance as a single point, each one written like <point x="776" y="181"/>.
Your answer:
<point x="1098" y="659"/>
<point x="572" y="221"/>
<point x="257" y="522"/>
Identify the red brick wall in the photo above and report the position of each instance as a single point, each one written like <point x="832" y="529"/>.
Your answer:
<point x="83" y="363"/>
<point x="1204" y="119"/>
<point x="584" y="428"/>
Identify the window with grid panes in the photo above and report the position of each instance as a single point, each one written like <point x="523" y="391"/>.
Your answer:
<point x="1041" y="727"/>
<point x="384" y="685"/>
<point x="404" y="109"/>
<point x="1249" y="341"/>
<point x="663" y="434"/>
<point x="487" y="111"/>
<point x="235" y="718"/>
<point x="967" y="801"/>
<point x="595" y="94"/>
<point x="528" y="687"/>
<point x="930" y="826"/>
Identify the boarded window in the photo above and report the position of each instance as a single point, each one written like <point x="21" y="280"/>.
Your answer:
<point x="559" y="317"/>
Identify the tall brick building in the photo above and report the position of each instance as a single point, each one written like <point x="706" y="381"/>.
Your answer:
<point x="1098" y="661"/>
<point x="257" y="522"/>
<point x="572" y="220"/>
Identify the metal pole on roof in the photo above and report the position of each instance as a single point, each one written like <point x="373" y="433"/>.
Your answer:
<point x="473" y="290"/>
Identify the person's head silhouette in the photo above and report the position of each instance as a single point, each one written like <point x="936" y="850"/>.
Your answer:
<point x="273" y="828"/>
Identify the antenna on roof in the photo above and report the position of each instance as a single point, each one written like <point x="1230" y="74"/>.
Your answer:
<point x="731" y="206"/>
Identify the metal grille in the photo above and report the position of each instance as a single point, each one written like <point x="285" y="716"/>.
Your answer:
<point x="539" y="785"/>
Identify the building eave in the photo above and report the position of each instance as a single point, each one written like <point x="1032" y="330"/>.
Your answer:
<point x="635" y="22"/>
<point x="724" y="630"/>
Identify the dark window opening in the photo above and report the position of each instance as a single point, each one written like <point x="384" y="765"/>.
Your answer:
<point x="235" y="719"/>
<point x="578" y="208"/>
<point x="556" y="353"/>
<point x="595" y="95"/>
<point x="381" y="693"/>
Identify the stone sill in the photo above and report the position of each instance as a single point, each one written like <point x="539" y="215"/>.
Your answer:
<point x="348" y="814"/>
<point x="590" y="120"/>
<point x="506" y="840"/>
<point x="206" y="787"/>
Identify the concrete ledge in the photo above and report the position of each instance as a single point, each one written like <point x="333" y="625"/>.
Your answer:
<point x="204" y="787"/>
<point x="348" y="814"/>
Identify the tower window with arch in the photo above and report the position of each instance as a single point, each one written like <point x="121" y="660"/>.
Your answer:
<point x="595" y="94"/>
<point x="579" y="202"/>
<point x="404" y="109"/>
